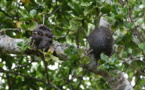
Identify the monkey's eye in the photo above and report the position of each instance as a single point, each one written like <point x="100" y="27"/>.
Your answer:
<point x="46" y="34"/>
<point x="40" y="33"/>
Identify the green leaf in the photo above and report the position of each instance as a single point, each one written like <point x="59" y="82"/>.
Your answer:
<point x="104" y="57"/>
<point x="118" y="17"/>
<point x="128" y="25"/>
<point x="54" y="58"/>
<point x="33" y="13"/>
<point x="85" y="4"/>
<point x="103" y="67"/>
<point x="32" y="25"/>
<point x="142" y="46"/>
<point x="21" y="43"/>
<point x="1" y="65"/>
<point x="74" y="24"/>
<point x="70" y="5"/>
<point x="106" y="9"/>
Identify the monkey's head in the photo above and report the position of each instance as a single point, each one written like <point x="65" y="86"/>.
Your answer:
<point x="42" y="37"/>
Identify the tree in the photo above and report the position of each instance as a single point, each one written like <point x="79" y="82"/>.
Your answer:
<point x="71" y="22"/>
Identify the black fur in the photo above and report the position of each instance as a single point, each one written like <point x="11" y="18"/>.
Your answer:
<point x="42" y="37"/>
<point x="101" y="41"/>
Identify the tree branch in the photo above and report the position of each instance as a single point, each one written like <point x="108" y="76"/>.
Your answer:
<point x="5" y="13"/>
<point x="10" y="45"/>
<point x="132" y="66"/>
<point x="10" y="29"/>
<point x="27" y="76"/>
<point x="24" y="75"/>
<point x="46" y="69"/>
<point x="116" y="83"/>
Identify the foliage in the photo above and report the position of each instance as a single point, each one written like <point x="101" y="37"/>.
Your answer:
<point x="73" y="19"/>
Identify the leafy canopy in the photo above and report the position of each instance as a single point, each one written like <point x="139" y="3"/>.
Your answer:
<point x="73" y="19"/>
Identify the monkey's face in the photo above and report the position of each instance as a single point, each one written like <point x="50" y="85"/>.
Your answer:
<point x="42" y="39"/>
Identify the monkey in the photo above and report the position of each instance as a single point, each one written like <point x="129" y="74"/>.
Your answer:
<point x="100" y="40"/>
<point x="42" y="38"/>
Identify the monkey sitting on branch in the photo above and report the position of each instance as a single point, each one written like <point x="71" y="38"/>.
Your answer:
<point x="101" y="40"/>
<point x="42" y="38"/>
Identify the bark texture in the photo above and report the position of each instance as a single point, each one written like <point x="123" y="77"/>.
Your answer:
<point x="9" y="45"/>
<point x="119" y="82"/>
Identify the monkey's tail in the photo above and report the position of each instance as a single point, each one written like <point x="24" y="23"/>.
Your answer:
<point x="97" y="57"/>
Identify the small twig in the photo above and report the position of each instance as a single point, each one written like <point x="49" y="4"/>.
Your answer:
<point x="9" y="29"/>
<point x="8" y="80"/>
<point x="45" y="65"/>
<point x="46" y="72"/>
<point x="2" y="31"/>
<point x="27" y="76"/>
<point x="62" y="36"/>
<point x="24" y="65"/>
<point x="131" y="65"/>
<point x="121" y="2"/>
<point x="111" y="35"/>
<point x="134" y="30"/>
<point x="89" y="52"/>
<point x="24" y="75"/>
<point x="5" y="13"/>
<point x="81" y="79"/>
<point x="12" y="29"/>
<point x="55" y="10"/>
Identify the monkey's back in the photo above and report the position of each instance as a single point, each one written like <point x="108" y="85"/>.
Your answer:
<point x="101" y="41"/>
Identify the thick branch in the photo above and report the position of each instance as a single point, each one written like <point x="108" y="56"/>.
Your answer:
<point x="8" y="44"/>
<point x="119" y="82"/>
